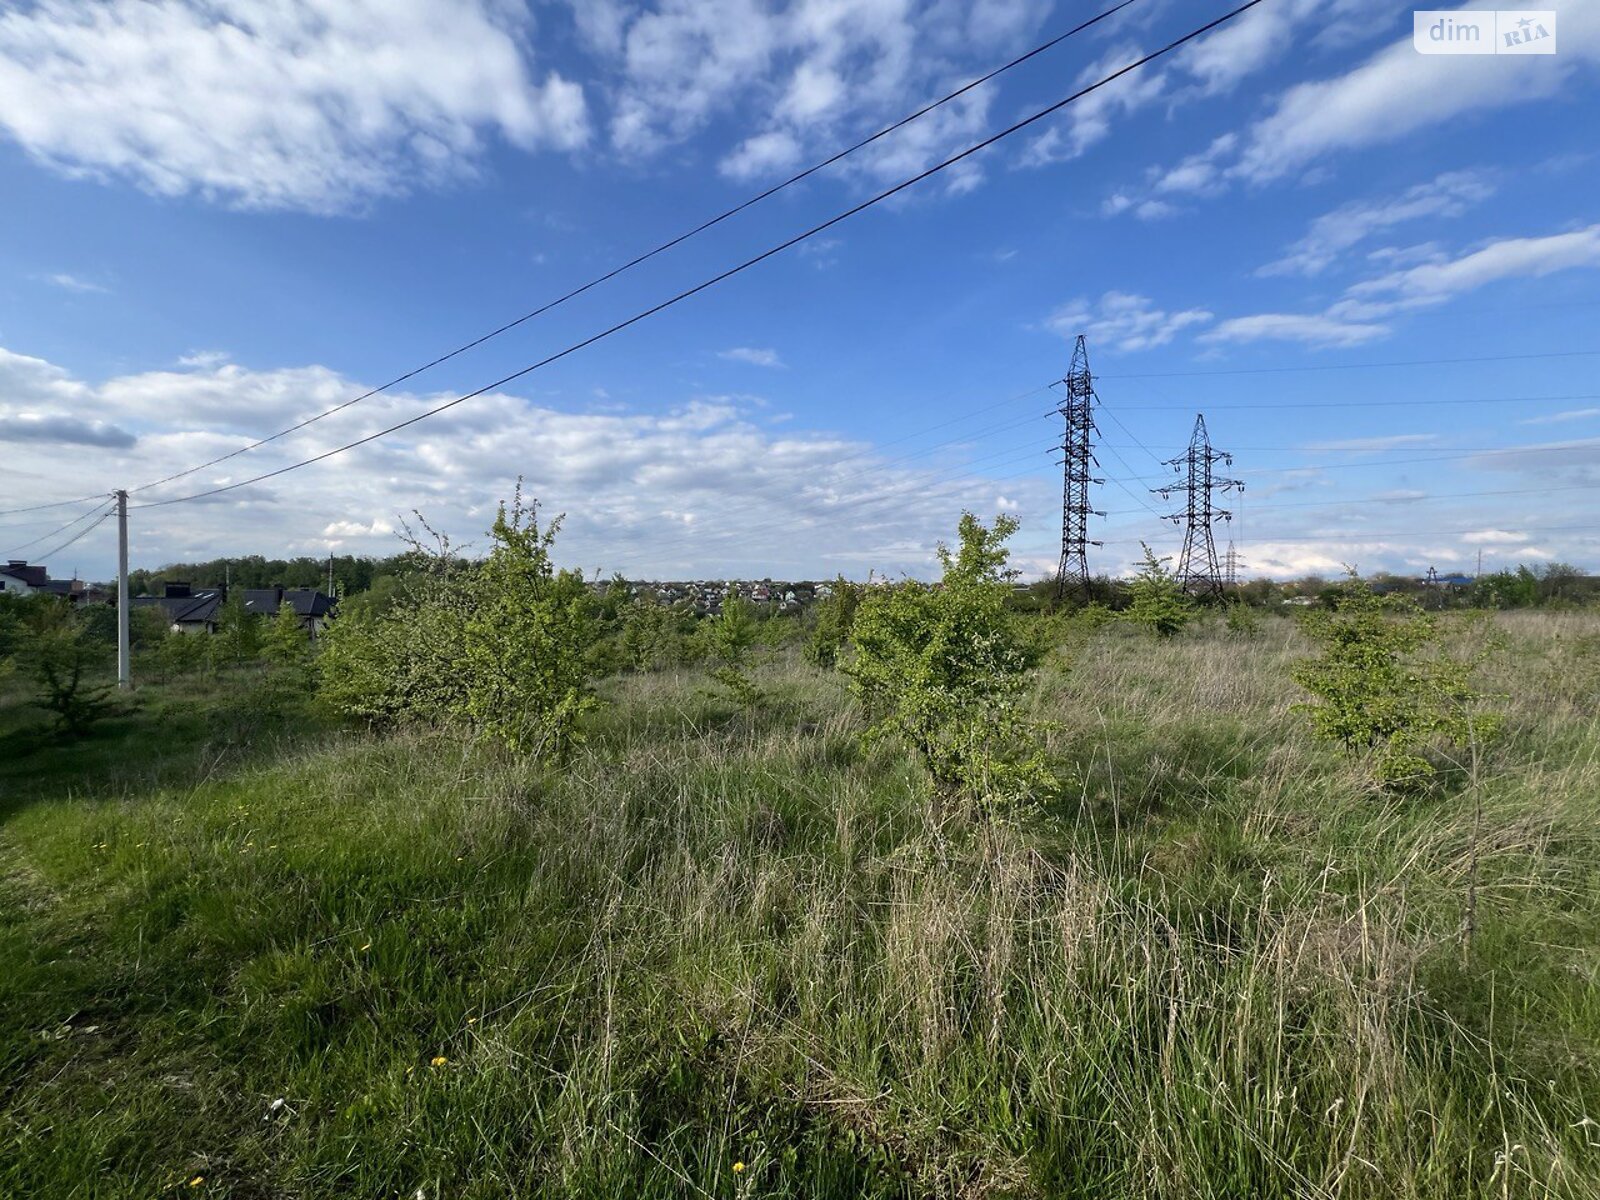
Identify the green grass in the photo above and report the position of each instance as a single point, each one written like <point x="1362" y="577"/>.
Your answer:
<point x="1217" y="964"/>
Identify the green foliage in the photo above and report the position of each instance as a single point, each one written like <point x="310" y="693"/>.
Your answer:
<point x="835" y="614"/>
<point x="64" y="660"/>
<point x="946" y="669"/>
<point x="403" y="666"/>
<point x="182" y="654"/>
<point x="238" y="637"/>
<point x="728" y="640"/>
<point x="285" y="644"/>
<point x="1158" y="601"/>
<point x="652" y="635"/>
<point x="1243" y="620"/>
<point x="529" y="638"/>
<point x="1507" y="589"/>
<point x="1382" y="684"/>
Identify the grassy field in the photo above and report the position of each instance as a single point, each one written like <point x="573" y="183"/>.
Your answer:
<point x="732" y="955"/>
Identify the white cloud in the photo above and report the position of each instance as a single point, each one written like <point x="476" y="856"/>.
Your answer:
<point x="72" y="283"/>
<point x="1310" y="329"/>
<point x="755" y="356"/>
<point x="802" y="77"/>
<point x="703" y="486"/>
<point x="1089" y="120"/>
<point x="1574" y="414"/>
<point x="1435" y="283"/>
<point x="1334" y="233"/>
<point x="1124" y="321"/>
<point x="302" y="104"/>
<point x="1391" y="442"/>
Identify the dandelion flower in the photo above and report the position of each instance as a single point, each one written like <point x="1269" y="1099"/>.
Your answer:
<point x="440" y="1060"/>
<point x="738" y="1168"/>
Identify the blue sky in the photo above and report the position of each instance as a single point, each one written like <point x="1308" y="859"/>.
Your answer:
<point x="223" y="218"/>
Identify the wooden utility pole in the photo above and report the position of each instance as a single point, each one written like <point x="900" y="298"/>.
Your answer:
<point x="124" y="656"/>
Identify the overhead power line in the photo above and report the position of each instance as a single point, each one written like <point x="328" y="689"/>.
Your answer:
<point x="886" y="194"/>
<point x="59" y="529"/>
<point x="7" y="512"/>
<point x="1450" y="400"/>
<point x="1409" y="362"/>
<point x="82" y="533"/>
<point x="661" y="248"/>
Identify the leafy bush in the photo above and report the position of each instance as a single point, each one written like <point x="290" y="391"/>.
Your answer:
<point x="945" y="669"/>
<point x="835" y="614"/>
<point x="1243" y="620"/>
<point x="1383" y="685"/>
<point x="529" y="638"/>
<point x="1158" y="603"/>
<point x="652" y="635"/>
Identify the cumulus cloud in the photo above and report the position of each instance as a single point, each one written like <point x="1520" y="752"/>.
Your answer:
<point x="1334" y="233"/>
<point x="703" y="486"/>
<point x="1124" y="321"/>
<point x="803" y="76"/>
<point x="306" y="104"/>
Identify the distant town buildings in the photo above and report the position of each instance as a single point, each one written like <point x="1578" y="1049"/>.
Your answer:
<point x="22" y="578"/>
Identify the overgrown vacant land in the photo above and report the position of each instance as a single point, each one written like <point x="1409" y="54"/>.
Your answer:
<point x="727" y="951"/>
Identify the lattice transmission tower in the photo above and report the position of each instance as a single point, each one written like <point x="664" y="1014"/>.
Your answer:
<point x="1198" y="569"/>
<point x="1078" y="450"/>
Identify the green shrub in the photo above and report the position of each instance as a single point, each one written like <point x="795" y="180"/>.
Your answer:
<point x="529" y="639"/>
<point x="1243" y="620"/>
<point x="835" y="614"/>
<point x="728" y="639"/>
<point x="505" y="646"/>
<point x="1382" y="683"/>
<point x="1158" y="603"/>
<point x="945" y="669"/>
<point x="651" y="635"/>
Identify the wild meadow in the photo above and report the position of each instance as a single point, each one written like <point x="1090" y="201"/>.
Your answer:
<point x="725" y="946"/>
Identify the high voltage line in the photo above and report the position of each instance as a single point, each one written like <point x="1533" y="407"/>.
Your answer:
<point x="1409" y="362"/>
<point x="886" y="194"/>
<point x="662" y="247"/>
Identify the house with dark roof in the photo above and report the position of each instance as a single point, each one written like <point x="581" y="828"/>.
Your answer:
<point x="23" y="579"/>
<point x="312" y="607"/>
<point x="187" y="610"/>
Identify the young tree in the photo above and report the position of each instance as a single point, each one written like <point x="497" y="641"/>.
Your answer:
<point x="1382" y="684"/>
<point x="1158" y="601"/>
<point x="62" y="657"/>
<point x="529" y="639"/>
<point x="946" y="669"/>
<point x="835" y="614"/>
<point x="285" y="644"/>
<point x="238" y="637"/>
<point x="728" y="640"/>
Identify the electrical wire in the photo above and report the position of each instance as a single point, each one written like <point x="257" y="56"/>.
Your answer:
<point x="1411" y="362"/>
<point x="7" y="512"/>
<point x="84" y="516"/>
<point x="644" y="314"/>
<point x="82" y="533"/>
<point x="1452" y="401"/>
<point x="663" y="247"/>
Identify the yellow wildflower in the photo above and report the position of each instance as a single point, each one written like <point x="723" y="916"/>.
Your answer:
<point x="440" y="1060"/>
<point x="738" y="1168"/>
